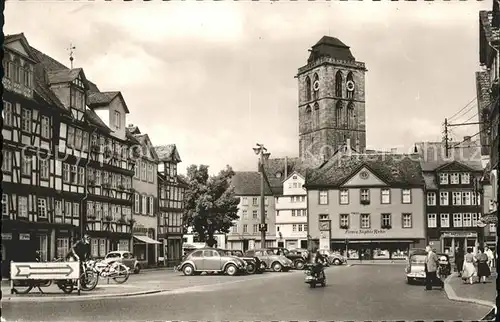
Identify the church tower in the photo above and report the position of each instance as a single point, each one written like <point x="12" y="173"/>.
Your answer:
<point x="331" y="101"/>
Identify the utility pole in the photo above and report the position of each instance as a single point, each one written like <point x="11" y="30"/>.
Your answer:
<point x="446" y="136"/>
<point x="261" y="151"/>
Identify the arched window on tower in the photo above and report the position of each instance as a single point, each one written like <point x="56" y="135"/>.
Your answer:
<point x="338" y="114"/>
<point x="308" y="118"/>
<point x="308" y="88"/>
<point x="315" y="90"/>
<point x="338" y="84"/>
<point x="351" y="116"/>
<point x="316" y="114"/>
<point x="350" y="79"/>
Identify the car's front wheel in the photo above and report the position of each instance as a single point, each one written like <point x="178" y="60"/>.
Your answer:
<point x="188" y="270"/>
<point x="231" y="270"/>
<point x="299" y="264"/>
<point x="337" y="261"/>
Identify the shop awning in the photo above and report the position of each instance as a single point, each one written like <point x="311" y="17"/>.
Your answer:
<point x="147" y="240"/>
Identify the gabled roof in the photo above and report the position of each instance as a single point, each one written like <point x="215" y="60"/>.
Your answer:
<point x="276" y="166"/>
<point x="330" y="47"/>
<point x="24" y="42"/>
<point x="454" y="164"/>
<point x="145" y="142"/>
<point x="247" y="183"/>
<point x="433" y="155"/>
<point x="134" y="129"/>
<point x="294" y="173"/>
<point x="362" y="166"/>
<point x="66" y="76"/>
<point x="167" y="153"/>
<point x="395" y="169"/>
<point x="96" y="99"/>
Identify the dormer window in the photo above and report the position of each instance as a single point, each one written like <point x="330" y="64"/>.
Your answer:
<point x="117" y="117"/>
<point x="77" y="99"/>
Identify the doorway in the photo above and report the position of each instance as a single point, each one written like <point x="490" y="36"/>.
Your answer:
<point x="303" y="244"/>
<point x="245" y="245"/>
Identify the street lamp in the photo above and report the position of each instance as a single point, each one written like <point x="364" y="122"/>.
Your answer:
<point x="261" y="151"/>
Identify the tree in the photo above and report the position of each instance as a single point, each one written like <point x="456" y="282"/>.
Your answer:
<point x="210" y="204"/>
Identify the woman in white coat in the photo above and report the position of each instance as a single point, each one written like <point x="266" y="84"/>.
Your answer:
<point x="469" y="269"/>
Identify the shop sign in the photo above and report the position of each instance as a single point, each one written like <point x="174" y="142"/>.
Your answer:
<point x="459" y="234"/>
<point x="6" y="236"/>
<point x="24" y="237"/>
<point x="366" y="232"/>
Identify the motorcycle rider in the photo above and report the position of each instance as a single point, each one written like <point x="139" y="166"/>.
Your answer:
<point x="80" y="251"/>
<point x="318" y="262"/>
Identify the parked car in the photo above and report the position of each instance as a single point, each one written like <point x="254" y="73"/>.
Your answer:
<point x="124" y="257"/>
<point x="333" y="258"/>
<point x="415" y="268"/>
<point x="297" y="258"/>
<point x="277" y="263"/>
<point x="211" y="260"/>
<point x="254" y="265"/>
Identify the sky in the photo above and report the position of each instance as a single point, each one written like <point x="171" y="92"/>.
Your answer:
<point x="215" y="78"/>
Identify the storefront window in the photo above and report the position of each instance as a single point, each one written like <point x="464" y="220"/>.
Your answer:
<point x="447" y="246"/>
<point x="379" y="253"/>
<point x="62" y="247"/>
<point x="399" y="253"/>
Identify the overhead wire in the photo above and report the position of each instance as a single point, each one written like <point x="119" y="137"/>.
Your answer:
<point x="463" y="108"/>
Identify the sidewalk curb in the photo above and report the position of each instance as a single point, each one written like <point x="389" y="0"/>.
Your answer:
<point x="452" y="296"/>
<point x="75" y="298"/>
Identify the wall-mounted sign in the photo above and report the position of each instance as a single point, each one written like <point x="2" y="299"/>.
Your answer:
<point x="24" y="237"/>
<point x="459" y="234"/>
<point x="324" y="225"/>
<point x="6" y="236"/>
<point x="366" y="231"/>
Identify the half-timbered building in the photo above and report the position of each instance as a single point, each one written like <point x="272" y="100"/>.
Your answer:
<point x="31" y="113"/>
<point x="111" y="165"/>
<point x="171" y="190"/>
<point x="145" y="208"/>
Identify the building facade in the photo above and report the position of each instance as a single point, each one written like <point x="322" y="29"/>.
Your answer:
<point x="453" y="207"/>
<point x="31" y="113"/>
<point x="291" y="213"/>
<point x="171" y="189"/>
<point x="488" y="97"/>
<point x="245" y="233"/>
<point x="367" y="206"/>
<point x="453" y="195"/>
<point x="331" y="100"/>
<point x="145" y="208"/>
<point x="75" y="174"/>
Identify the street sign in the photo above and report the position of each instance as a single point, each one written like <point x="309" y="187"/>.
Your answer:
<point x="263" y="227"/>
<point x="48" y="271"/>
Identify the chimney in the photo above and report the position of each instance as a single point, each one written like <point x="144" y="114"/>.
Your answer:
<point x="394" y="150"/>
<point x="348" y="144"/>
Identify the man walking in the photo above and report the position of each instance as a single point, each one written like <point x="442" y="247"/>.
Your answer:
<point x="491" y="256"/>
<point x="431" y="266"/>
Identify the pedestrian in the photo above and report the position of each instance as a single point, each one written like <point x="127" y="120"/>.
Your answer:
<point x="483" y="269"/>
<point x="468" y="269"/>
<point x="431" y="266"/>
<point x="459" y="259"/>
<point x="491" y="257"/>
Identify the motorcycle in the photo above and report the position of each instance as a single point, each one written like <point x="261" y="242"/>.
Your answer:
<point x="115" y="270"/>
<point x="314" y="278"/>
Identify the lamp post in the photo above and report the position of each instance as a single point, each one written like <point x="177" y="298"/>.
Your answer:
<point x="261" y="151"/>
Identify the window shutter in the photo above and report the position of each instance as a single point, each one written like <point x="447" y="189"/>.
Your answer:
<point x="147" y="206"/>
<point x="140" y="204"/>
